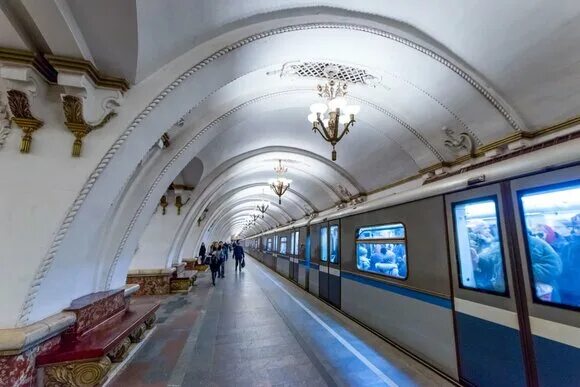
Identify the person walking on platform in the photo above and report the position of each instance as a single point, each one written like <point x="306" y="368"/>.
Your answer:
<point x="214" y="263"/>
<point x="222" y="260"/>
<point x="202" y="252"/>
<point x="239" y="255"/>
<point x="226" y="250"/>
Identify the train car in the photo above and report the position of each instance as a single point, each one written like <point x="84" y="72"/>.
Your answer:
<point x="482" y="284"/>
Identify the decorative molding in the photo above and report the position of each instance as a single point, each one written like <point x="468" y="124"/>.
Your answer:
<point x="164" y="141"/>
<point x="29" y="59"/>
<point x="77" y="374"/>
<point x="462" y="142"/>
<point x="119" y="353"/>
<point x="504" y="142"/>
<point x="5" y="122"/>
<point x="81" y="66"/>
<point x="21" y="115"/>
<point x="46" y="262"/>
<point x="17" y="340"/>
<point x="75" y="121"/>
<point x="137" y="334"/>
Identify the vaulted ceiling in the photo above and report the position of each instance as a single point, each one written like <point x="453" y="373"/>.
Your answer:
<point x="485" y="68"/>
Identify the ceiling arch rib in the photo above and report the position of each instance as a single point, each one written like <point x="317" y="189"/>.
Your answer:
<point x="282" y="216"/>
<point x="274" y="216"/>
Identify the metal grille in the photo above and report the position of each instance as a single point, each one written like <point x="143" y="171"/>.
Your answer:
<point x="328" y="70"/>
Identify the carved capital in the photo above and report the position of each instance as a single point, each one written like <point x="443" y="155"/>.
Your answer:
<point x="81" y="374"/>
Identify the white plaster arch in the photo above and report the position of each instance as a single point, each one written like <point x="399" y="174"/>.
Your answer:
<point x="107" y="179"/>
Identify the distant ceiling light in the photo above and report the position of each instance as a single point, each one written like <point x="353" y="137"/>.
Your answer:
<point x="263" y="207"/>
<point x="339" y="112"/>
<point x="280" y="184"/>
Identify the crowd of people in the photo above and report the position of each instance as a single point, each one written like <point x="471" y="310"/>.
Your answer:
<point x="554" y="248"/>
<point x="554" y="251"/>
<point x="218" y="255"/>
<point x="383" y="258"/>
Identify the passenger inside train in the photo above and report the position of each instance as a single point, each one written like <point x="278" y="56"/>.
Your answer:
<point x="552" y="221"/>
<point x="480" y="255"/>
<point x="381" y="250"/>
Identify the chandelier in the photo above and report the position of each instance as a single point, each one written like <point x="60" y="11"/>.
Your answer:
<point x="338" y="113"/>
<point x="280" y="184"/>
<point x="262" y="207"/>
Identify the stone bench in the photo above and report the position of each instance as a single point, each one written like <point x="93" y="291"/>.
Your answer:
<point x="183" y="282"/>
<point x="106" y="330"/>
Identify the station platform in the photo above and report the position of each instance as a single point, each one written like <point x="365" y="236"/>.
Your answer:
<point x="256" y="328"/>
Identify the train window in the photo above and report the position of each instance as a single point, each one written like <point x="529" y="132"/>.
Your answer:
<point x="269" y="245"/>
<point x="324" y="244"/>
<point x="334" y="254"/>
<point x="551" y="220"/>
<point x="294" y="242"/>
<point x="283" y="245"/>
<point x="478" y="245"/>
<point x="382" y="250"/>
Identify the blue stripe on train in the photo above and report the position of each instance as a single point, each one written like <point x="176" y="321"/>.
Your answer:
<point x="558" y="364"/>
<point x="314" y="265"/>
<point x="435" y="300"/>
<point x="490" y="354"/>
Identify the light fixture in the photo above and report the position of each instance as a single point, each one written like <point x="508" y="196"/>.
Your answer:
<point x="263" y="207"/>
<point x="339" y="112"/>
<point x="280" y="184"/>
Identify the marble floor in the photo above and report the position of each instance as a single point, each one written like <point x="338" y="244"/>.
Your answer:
<point x="255" y="328"/>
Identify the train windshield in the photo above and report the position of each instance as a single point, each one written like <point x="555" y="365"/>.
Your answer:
<point x="334" y="256"/>
<point x="478" y="245"/>
<point x="552" y="229"/>
<point x="324" y="244"/>
<point x="382" y="250"/>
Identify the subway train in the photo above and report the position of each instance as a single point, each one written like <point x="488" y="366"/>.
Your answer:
<point x="480" y="284"/>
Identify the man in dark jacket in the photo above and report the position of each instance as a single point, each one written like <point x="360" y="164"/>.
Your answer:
<point x="202" y="252"/>
<point x="238" y="255"/>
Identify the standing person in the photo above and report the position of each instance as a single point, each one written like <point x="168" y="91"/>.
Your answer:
<point x="226" y="250"/>
<point x="214" y="264"/>
<point x="222" y="260"/>
<point x="202" y="252"/>
<point x="238" y="255"/>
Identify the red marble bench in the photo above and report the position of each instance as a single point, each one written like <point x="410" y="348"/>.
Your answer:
<point x="107" y="325"/>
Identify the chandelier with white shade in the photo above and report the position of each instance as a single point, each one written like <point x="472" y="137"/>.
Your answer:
<point x="338" y="113"/>
<point x="280" y="184"/>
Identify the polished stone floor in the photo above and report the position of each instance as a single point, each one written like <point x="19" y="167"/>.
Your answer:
<point x="255" y="328"/>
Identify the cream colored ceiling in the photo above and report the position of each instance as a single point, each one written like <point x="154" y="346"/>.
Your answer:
<point x="487" y="68"/>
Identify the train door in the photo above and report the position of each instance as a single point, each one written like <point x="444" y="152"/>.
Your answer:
<point x="330" y="263"/>
<point x="491" y="333"/>
<point x="293" y="273"/>
<point x="547" y="209"/>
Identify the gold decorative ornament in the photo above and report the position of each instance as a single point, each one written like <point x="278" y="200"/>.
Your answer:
<point x="119" y="353"/>
<point x="165" y="140"/>
<point x="77" y="374"/>
<point x="163" y="203"/>
<point x="137" y="335"/>
<point x="179" y="203"/>
<point x="150" y="321"/>
<point x="22" y="116"/>
<point x="75" y="122"/>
